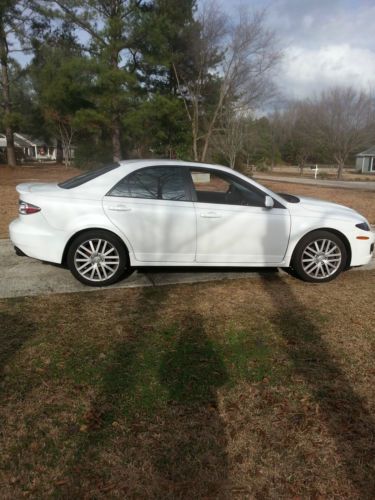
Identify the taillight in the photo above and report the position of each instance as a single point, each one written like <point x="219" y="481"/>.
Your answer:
<point x="27" y="208"/>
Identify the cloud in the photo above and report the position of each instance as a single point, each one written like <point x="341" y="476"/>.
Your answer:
<point x="306" y="72"/>
<point x="326" y="42"/>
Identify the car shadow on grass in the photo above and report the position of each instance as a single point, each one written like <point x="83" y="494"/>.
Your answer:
<point x="342" y="410"/>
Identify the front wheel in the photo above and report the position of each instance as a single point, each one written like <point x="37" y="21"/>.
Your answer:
<point x="319" y="257"/>
<point x="97" y="258"/>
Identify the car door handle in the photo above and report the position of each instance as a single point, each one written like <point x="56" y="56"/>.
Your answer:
<point x="119" y="208"/>
<point x="211" y="215"/>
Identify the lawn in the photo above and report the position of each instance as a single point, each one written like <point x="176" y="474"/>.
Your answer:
<point x="255" y="388"/>
<point x="324" y="172"/>
<point x="248" y="389"/>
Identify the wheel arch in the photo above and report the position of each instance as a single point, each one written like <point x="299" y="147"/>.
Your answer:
<point x="86" y="230"/>
<point x="337" y="233"/>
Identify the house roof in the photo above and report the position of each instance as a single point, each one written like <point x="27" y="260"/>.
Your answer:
<point x="368" y="152"/>
<point x="17" y="142"/>
<point x="22" y="141"/>
<point x="26" y="140"/>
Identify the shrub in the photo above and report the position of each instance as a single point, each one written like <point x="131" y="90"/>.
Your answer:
<point x="262" y="167"/>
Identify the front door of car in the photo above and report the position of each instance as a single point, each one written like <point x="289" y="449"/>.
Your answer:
<point x="233" y="224"/>
<point x="152" y="208"/>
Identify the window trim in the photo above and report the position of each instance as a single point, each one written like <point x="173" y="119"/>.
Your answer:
<point x="244" y="183"/>
<point x="185" y="176"/>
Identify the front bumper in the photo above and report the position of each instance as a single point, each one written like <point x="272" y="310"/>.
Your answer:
<point x="362" y="250"/>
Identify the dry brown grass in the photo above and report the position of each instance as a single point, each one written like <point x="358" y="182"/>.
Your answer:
<point x="349" y="174"/>
<point x="160" y="393"/>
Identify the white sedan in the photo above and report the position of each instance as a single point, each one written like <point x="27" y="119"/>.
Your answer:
<point x="173" y="213"/>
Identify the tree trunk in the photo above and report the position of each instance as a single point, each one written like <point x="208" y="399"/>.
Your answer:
<point x="11" y="152"/>
<point x="195" y="142"/>
<point x="7" y="105"/>
<point x="116" y="141"/>
<point x="59" y="151"/>
<point x="340" y="170"/>
<point x="212" y="124"/>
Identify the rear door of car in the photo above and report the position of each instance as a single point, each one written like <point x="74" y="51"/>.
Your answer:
<point x="152" y="207"/>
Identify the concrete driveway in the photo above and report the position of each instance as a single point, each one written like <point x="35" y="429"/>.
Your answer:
<point x="22" y="276"/>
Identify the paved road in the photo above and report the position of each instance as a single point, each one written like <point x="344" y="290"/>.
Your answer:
<point x="363" y="185"/>
<point x="22" y="276"/>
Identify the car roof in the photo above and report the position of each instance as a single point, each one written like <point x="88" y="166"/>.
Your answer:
<point x="103" y="183"/>
<point x="168" y="161"/>
<point x="149" y="162"/>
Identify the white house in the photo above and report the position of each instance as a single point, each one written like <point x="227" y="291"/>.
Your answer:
<point x="30" y="149"/>
<point x="365" y="161"/>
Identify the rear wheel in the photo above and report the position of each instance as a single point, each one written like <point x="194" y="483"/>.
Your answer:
<point x="319" y="257"/>
<point x="97" y="258"/>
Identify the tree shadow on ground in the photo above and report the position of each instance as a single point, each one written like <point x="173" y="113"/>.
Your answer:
<point x="342" y="410"/>
<point x="172" y="448"/>
<point x="15" y="330"/>
<point x="191" y="449"/>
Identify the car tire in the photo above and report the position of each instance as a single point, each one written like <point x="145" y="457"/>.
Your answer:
<point x="319" y="257"/>
<point x="98" y="258"/>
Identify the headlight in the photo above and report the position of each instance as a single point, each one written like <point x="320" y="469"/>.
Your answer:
<point x="363" y="225"/>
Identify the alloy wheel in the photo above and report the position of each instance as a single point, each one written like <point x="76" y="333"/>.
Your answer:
<point x="96" y="260"/>
<point x="321" y="258"/>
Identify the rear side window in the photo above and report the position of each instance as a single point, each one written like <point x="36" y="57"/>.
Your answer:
<point x="87" y="176"/>
<point x="154" y="183"/>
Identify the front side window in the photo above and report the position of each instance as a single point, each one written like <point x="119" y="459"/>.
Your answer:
<point x="154" y="183"/>
<point x="219" y="187"/>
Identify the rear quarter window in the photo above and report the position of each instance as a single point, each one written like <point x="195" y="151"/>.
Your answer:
<point x="78" y="180"/>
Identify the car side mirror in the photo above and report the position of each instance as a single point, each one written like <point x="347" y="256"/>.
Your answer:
<point x="268" y="202"/>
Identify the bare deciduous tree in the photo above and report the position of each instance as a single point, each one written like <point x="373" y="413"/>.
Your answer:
<point x="342" y="122"/>
<point x="231" y="63"/>
<point x="296" y="131"/>
<point x="229" y="140"/>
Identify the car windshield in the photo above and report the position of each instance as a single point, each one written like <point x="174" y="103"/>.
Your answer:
<point x="78" y="180"/>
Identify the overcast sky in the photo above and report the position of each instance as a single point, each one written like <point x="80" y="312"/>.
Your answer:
<point x="325" y="42"/>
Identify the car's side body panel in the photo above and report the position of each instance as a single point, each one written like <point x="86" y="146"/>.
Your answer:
<point x="162" y="231"/>
<point x="241" y="234"/>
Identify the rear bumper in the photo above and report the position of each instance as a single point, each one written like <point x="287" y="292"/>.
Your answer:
<point x="37" y="239"/>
